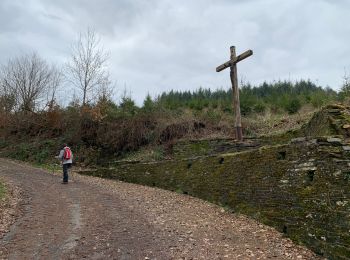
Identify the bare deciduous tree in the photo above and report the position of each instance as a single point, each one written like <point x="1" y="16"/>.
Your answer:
<point x="7" y="97"/>
<point x="55" y="82"/>
<point x="87" y="67"/>
<point x="26" y="80"/>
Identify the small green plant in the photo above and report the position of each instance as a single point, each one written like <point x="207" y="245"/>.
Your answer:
<point x="2" y="191"/>
<point x="293" y="106"/>
<point x="42" y="156"/>
<point x="228" y="209"/>
<point x="259" y="107"/>
<point x="21" y="153"/>
<point x="213" y="116"/>
<point x="179" y="191"/>
<point x="158" y="154"/>
<point x="3" y="144"/>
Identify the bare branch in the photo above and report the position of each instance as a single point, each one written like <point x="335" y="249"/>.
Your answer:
<point x="26" y="80"/>
<point x="87" y="67"/>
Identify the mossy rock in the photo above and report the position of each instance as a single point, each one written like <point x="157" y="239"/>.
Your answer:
<point x="331" y="120"/>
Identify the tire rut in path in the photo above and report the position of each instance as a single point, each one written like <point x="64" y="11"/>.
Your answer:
<point x="103" y="219"/>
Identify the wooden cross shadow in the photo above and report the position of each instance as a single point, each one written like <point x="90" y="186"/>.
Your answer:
<point x="235" y="91"/>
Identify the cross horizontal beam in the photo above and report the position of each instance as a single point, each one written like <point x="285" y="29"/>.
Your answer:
<point x="227" y="64"/>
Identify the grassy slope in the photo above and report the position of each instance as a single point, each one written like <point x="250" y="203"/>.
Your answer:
<point x="41" y="151"/>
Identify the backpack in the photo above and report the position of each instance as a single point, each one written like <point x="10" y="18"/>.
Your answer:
<point x="67" y="153"/>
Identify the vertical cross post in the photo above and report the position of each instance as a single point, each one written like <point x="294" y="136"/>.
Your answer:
<point x="235" y="92"/>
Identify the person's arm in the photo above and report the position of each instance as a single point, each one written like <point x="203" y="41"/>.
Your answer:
<point x="60" y="156"/>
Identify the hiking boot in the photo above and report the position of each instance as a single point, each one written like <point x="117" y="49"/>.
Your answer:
<point x="64" y="182"/>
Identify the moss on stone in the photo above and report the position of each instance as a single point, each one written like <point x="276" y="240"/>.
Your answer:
<point x="263" y="185"/>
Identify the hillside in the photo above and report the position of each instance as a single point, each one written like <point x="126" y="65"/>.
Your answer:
<point x="296" y="181"/>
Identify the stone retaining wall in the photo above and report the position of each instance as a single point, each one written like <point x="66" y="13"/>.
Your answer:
<point x="302" y="188"/>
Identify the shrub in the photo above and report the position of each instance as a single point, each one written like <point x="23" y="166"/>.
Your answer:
<point x="293" y="106"/>
<point x="259" y="108"/>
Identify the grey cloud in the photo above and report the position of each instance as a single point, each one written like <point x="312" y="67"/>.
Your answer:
<point x="160" y="45"/>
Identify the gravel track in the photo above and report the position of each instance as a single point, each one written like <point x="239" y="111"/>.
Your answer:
<point x="103" y="219"/>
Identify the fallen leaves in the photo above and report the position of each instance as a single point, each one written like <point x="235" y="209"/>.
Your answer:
<point x="9" y="207"/>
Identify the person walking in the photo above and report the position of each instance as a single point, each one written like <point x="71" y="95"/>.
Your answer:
<point x="66" y="158"/>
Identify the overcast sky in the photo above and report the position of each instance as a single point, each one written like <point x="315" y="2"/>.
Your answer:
<point x="159" y="45"/>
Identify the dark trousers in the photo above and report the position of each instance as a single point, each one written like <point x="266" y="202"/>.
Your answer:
<point x="66" y="166"/>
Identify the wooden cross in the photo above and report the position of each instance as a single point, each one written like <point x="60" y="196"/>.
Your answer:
<point x="233" y="74"/>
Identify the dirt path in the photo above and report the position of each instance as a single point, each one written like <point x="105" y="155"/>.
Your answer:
<point x="102" y="219"/>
